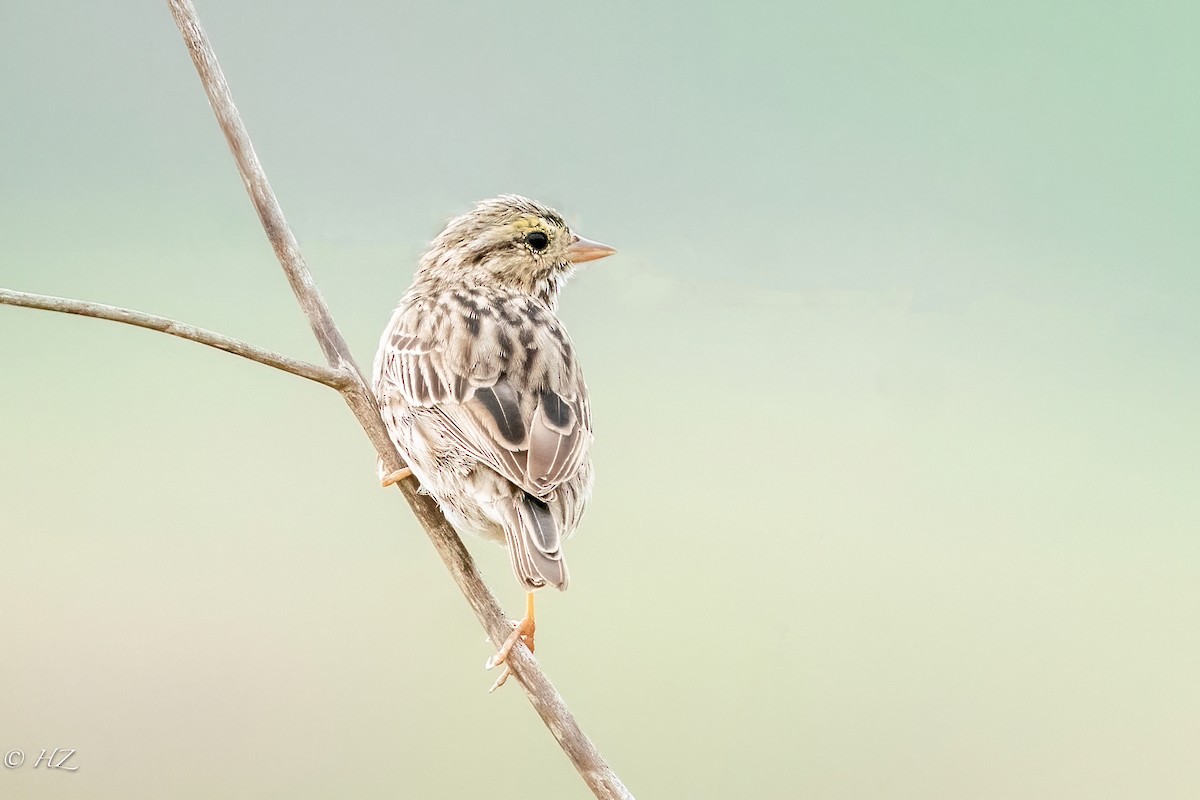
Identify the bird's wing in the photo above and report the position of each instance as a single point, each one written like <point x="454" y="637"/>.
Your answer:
<point x="503" y="374"/>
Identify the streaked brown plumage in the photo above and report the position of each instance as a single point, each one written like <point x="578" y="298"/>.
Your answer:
<point x="479" y="386"/>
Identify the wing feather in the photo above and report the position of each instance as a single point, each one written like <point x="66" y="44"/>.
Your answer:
<point x="523" y="411"/>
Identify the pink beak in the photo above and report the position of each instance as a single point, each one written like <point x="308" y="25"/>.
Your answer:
<point x="582" y="250"/>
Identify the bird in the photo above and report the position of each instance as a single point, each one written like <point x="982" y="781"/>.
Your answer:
<point x="480" y="389"/>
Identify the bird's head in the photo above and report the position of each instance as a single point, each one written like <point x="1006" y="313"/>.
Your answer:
<point x="511" y="241"/>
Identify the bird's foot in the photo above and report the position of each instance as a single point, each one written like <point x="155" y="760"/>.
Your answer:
<point x="396" y="477"/>
<point x="522" y="632"/>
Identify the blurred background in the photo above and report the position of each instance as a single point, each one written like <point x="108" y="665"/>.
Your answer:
<point x="895" y="382"/>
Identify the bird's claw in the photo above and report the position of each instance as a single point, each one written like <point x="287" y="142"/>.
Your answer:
<point x="500" y="681"/>
<point x="522" y="632"/>
<point x="395" y="477"/>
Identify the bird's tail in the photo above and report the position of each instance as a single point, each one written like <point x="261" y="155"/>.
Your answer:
<point x="534" y="544"/>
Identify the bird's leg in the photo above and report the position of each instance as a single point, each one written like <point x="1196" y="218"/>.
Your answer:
<point x="396" y="477"/>
<point x="523" y="631"/>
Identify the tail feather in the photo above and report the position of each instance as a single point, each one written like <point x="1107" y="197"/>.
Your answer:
<point x="534" y="544"/>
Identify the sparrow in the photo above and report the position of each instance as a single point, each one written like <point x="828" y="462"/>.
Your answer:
<point x="479" y="386"/>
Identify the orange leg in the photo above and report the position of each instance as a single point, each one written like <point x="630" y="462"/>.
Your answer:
<point x="522" y="632"/>
<point x="396" y="477"/>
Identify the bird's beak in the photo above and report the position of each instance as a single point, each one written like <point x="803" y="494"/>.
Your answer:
<point x="586" y="250"/>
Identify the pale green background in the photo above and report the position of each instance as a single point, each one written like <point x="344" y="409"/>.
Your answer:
<point x="895" y="383"/>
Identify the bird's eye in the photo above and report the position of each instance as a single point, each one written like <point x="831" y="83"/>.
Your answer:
<point x="538" y="241"/>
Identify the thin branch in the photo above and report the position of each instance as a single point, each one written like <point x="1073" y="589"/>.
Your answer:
<point x="337" y="379"/>
<point x="592" y="767"/>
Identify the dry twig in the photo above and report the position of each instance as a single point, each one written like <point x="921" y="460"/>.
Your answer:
<point x="337" y="379"/>
<point x="344" y="375"/>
